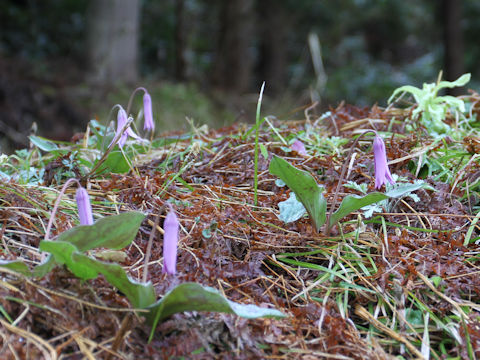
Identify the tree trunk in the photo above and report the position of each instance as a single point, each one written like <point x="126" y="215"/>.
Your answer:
<point x="113" y="29"/>
<point x="273" y="44"/>
<point x="453" y="42"/>
<point x="234" y="60"/>
<point x="180" y="63"/>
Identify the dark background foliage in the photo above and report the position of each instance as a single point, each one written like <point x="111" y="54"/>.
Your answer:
<point x="207" y="58"/>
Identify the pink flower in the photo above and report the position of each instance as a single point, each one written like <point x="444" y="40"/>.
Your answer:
<point x="170" y="242"/>
<point x="148" y="125"/>
<point x="382" y="173"/>
<point x="121" y="121"/>
<point x="299" y="147"/>
<point x="84" y="207"/>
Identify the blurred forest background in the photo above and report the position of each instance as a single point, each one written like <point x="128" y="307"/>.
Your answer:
<point x="64" y="62"/>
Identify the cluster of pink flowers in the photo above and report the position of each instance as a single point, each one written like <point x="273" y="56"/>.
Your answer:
<point x="122" y="119"/>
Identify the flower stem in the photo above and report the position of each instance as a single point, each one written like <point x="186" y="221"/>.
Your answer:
<point x="340" y="180"/>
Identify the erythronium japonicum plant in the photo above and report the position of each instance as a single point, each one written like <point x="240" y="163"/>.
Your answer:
<point x="382" y="172"/>
<point x="148" y="124"/>
<point x="84" y="207"/>
<point x="299" y="147"/>
<point x="309" y="193"/>
<point x="122" y="121"/>
<point x="171" y="227"/>
<point x="115" y="232"/>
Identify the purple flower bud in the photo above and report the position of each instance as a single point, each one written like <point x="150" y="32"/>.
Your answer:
<point x="170" y="240"/>
<point x="382" y="173"/>
<point x="299" y="147"/>
<point x="147" y="113"/>
<point x="84" y="207"/>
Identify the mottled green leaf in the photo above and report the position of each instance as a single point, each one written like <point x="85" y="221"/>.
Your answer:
<point x="113" y="232"/>
<point x="352" y="203"/>
<point x="195" y="297"/>
<point x="306" y="189"/>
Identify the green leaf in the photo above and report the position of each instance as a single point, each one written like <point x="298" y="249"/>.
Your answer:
<point x="263" y="151"/>
<point x="63" y="251"/>
<point x="436" y="280"/>
<point x="140" y="295"/>
<point x="291" y="209"/>
<point x="42" y="143"/>
<point x="461" y="81"/>
<point x="115" y="163"/>
<point x="451" y="101"/>
<point x="17" y="266"/>
<point x="195" y="297"/>
<point x="45" y="267"/>
<point x="113" y="232"/>
<point x="352" y="203"/>
<point x="403" y="189"/>
<point x="306" y="189"/>
<point x="416" y="92"/>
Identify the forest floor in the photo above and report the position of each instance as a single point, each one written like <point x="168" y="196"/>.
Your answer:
<point x="399" y="282"/>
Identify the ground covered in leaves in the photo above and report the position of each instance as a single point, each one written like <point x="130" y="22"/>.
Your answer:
<point x="380" y="286"/>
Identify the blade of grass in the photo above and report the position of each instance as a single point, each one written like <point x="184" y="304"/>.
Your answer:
<point x="257" y="123"/>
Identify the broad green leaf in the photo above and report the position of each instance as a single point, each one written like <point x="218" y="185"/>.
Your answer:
<point x="403" y="189"/>
<point x="195" y="297"/>
<point x="17" y="266"/>
<point x="291" y="209"/>
<point x="306" y="189"/>
<point x="42" y="143"/>
<point x="352" y="203"/>
<point x="113" y="232"/>
<point x="115" y="163"/>
<point x="139" y="294"/>
<point x="161" y="142"/>
<point x="45" y="267"/>
<point x="63" y="251"/>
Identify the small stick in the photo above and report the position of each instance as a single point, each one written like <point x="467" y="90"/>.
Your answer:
<point x="124" y="327"/>
<point x="149" y="249"/>
<point x="342" y="175"/>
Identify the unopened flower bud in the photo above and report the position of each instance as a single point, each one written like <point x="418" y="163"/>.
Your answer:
<point x="170" y="242"/>
<point x="84" y="207"/>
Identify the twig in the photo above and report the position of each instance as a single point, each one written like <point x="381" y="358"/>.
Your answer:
<point x="340" y="180"/>
<point x="149" y="249"/>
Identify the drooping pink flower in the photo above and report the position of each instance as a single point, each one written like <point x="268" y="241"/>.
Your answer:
<point x="121" y="121"/>
<point x="170" y="242"/>
<point x="84" y="207"/>
<point x="299" y="147"/>
<point x="382" y="172"/>
<point x="148" y="125"/>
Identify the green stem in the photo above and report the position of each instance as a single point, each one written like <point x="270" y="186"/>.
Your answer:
<point x="257" y="125"/>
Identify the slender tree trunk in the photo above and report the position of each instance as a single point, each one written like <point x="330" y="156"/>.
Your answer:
<point x="113" y="41"/>
<point x="180" y="63"/>
<point x="453" y="42"/>
<point x="234" y="58"/>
